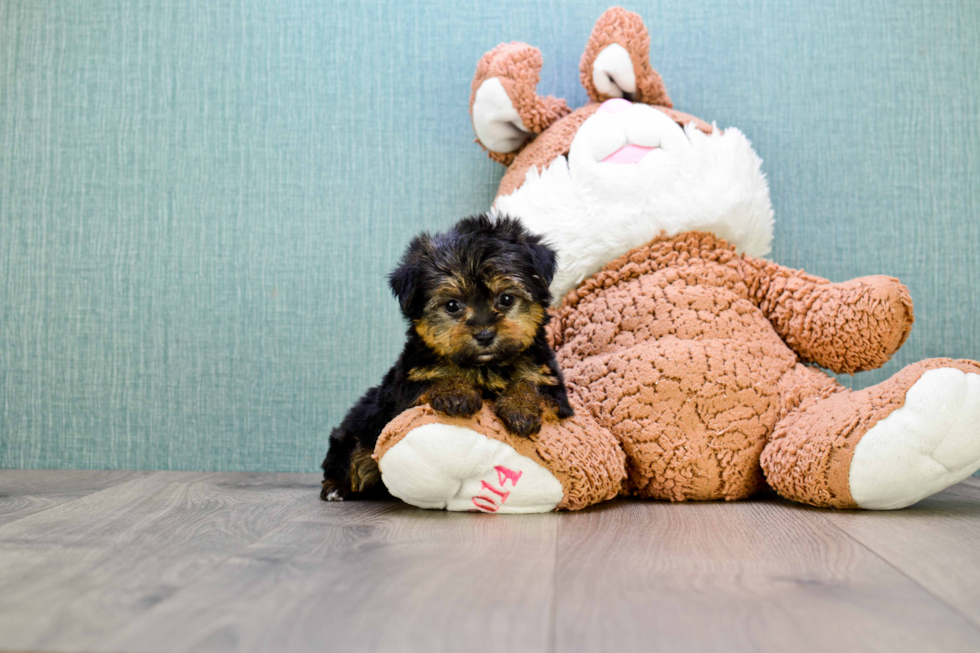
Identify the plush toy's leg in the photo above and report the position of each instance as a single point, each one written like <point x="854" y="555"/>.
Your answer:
<point x="881" y="448"/>
<point x="433" y="461"/>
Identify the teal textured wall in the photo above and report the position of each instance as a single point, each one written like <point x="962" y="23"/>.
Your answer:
<point x="199" y="199"/>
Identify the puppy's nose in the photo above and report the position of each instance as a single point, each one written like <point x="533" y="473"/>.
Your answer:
<point x="484" y="337"/>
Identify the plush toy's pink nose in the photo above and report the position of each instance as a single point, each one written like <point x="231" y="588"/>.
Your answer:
<point x="614" y="105"/>
<point x="629" y="154"/>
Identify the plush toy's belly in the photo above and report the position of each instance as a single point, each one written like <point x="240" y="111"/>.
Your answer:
<point x="687" y="378"/>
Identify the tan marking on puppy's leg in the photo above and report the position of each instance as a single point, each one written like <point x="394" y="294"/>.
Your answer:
<point x="538" y="375"/>
<point x="454" y="396"/>
<point x="448" y="371"/>
<point x="364" y="470"/>
<point x="521" y="408"/>
<point x="432" y="373"/>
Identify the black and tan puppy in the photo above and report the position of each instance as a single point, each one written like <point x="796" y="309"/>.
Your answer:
<point x="476" y="298"/>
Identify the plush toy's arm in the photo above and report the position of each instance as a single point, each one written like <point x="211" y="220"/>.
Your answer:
<point x="845" y="327"/>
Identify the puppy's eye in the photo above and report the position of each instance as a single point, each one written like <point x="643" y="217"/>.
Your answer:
<point x="506" y="300"/>
<point x="453" y="307"/>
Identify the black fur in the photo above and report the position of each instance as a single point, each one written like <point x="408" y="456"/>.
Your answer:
<point x="468" y="250"/>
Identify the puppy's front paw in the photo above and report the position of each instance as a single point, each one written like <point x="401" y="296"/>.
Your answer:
<point x="521" y="418"/>
<point x="456" y="403"/>
<point x="334" y="491"/>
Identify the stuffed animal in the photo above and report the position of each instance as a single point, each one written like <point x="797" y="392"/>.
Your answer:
<point x="692" y="364"/>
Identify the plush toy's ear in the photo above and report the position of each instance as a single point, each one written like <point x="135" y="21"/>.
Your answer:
<point x="507" y="112"/>
<point x="616" y="61"/>
<point x="405" y="280"/>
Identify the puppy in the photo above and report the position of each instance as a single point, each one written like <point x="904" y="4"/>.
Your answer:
<point x="476" y="300"/>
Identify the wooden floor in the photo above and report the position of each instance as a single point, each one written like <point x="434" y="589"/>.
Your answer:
<point x="161" y="561"/>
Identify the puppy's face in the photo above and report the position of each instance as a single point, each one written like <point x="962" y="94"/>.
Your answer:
<point x="478" y="319"/>
<point x="477" y="294"/>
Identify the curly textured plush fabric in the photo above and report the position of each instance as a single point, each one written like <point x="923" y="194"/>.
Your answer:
<point x="518" y="67"/>
<point x="846" y="327"/>
<point x="680" y="349"/>
<point x="624" y="28"/>
<point x="667" y="349"/>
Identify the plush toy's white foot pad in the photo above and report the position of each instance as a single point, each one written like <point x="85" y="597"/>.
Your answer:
<point x="447" y="467"/>
<point x="930" y="443"/>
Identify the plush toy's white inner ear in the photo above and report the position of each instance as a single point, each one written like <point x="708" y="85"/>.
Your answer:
<point x="612" y="72"/>
<point x="497" y="123"/>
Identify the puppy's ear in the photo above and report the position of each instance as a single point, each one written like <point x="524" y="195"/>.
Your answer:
<point x="405" y="280"/>
<point x="543" y="258"/>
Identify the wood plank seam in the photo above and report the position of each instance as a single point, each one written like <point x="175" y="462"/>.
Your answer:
<point x="553" y="610"/>
<point x="124" y="475"/>
<point x="90" y="495"/>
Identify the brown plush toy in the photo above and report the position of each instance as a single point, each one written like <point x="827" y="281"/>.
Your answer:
<point x="691" y="363"/>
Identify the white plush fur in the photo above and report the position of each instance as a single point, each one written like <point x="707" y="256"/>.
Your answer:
<point x="921" y="448"/>
<point x="593" y="212"/>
